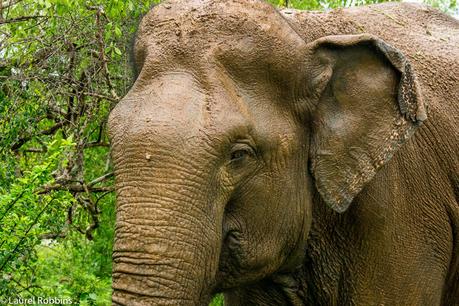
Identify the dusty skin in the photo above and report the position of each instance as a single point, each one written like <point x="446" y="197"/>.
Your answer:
<point x="289" y="158"/>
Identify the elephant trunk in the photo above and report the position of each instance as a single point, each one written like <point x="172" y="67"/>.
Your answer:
<point x="166" y="243"/>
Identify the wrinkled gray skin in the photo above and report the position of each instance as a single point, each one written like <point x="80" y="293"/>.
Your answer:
<point x="289" y="158"/>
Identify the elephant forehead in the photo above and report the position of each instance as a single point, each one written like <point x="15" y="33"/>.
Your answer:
<point x="198" y="30"/>
<point x="169" y="101"/>
<point x="225" y="16"/>
<point x="176" y="108"/>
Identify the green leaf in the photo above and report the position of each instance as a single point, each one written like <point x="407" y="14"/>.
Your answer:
<point x="117" y="51"/>
<point x="118" y="32"/>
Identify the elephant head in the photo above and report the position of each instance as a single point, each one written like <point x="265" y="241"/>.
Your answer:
<point x="233" y="125"/>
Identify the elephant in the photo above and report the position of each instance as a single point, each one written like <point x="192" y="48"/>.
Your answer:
<point x="286" y="157"/>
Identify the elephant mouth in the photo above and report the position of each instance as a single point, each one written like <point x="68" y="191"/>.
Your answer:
<point x="231" y="259"/>
<point x="232" y="239"/>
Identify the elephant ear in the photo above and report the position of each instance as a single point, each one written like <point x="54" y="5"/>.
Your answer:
<point x="368" y="104"/>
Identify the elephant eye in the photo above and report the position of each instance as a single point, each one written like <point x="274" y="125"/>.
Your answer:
<point x="240" y="152"/>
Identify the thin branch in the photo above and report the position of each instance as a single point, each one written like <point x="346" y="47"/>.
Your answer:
<point x="53" y="235"/>
<point x="100" y="179"/>
<point x="73" y="188"/>
<point x="91" y="207"/>
<point x="20" y="19"/>
<point x="35" y="150"/>
<point x="90" y="94"/>
<point x="100" y="39"/>
<point x="20" y="142"/>
<point x="96" y="144"/>
<point x="7" y="4"/>
<point x="96" y="95"/>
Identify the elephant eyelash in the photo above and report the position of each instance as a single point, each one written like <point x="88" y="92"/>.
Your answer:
<point x="239" y="154"/>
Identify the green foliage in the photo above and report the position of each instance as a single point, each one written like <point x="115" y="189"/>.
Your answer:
<point x="63" y="66"/>
<point x="25" y="215"/>
<point x="75" y="269"/>
<point x="217" y="300"/>
<point x="448" y="6"/>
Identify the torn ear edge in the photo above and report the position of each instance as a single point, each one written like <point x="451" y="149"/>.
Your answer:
<point x="339" y="193"/>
